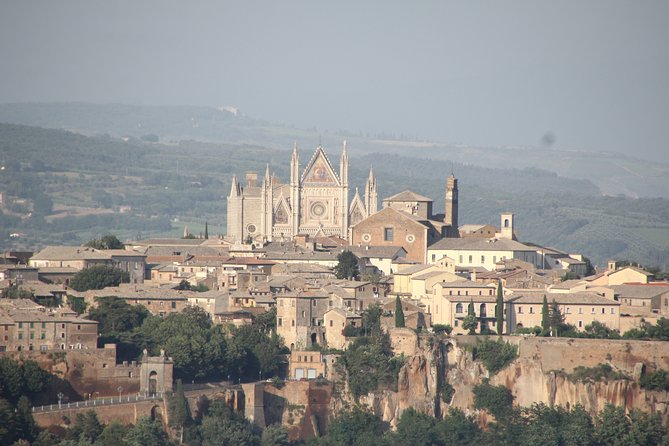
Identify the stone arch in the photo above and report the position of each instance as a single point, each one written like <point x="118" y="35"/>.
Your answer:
<point x="153" y="382"/>
<point x="157" y="413"/>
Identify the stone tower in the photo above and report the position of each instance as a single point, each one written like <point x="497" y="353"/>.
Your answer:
<point x="506" y="226"/>
<point x="155" y="374"/>
<point x="451" y="209"/>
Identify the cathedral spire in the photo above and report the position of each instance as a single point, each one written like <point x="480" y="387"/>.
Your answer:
<point x="343" y="166"/>
<point x="371" y="198"/>
<point x="267" y="177"/>
<point x="294" y="166"/>
<point x="234" y="188"/>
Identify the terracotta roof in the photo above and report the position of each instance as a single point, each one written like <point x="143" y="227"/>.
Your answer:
<point x="584" y="298"/>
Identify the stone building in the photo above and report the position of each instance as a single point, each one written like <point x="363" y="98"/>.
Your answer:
<point x="26" y="326"/>
<point x="313" y="203"/>
<point x="407" y="221"/>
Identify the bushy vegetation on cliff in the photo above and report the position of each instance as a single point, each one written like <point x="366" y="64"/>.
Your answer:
<point x="495" y="354"/>
<point x="530" y="426"/>
<point x="368" y="364"/>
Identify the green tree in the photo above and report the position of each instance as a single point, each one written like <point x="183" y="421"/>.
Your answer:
<point x="25" y="424"/>
<point x="7" y="423"/>
<point x="179" y="410"/>
<point x="612" y="426"/>
<point x="399" y="313"/>
<point x="217" y="431"/>
<point x="470" y="322"/>
<point x="98" y="277"/>
<point x="109" y="241"/>
<point x="147" y="432"/>
<point x="87" y="426"/>
<point x="371" y="320"/>
<point x="499" y="309"/>
<point x="556" y="319"/>
<point x="545" y="318"/>
<point x="113" y="435"/>
<point x="77" y="304"/>
<point x="356" y="427"/>
<point x="417" y="429"/>
<point x="116" y="315"/>
<point x="457" y="428"/>
<point x="496" y="355"/>
<point x="206" y="230"/>
<point x="347" y="266"/>
<point x="497" y="400"/>
<point x="274" y="435"/>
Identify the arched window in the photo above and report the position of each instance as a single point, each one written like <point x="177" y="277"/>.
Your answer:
<point x="506" y="222"/>
<point x="458" y="308"/>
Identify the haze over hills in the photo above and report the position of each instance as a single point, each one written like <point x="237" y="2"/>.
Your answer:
<point x="75" y="187"/>
<point x="613" y="173"/>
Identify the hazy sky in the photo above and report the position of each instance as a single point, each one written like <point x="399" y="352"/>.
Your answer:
<point x="595" y="74"/>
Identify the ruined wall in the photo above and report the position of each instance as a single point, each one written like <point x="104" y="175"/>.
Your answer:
<point x="92" y="371"/>
<point x="303" y="407"/>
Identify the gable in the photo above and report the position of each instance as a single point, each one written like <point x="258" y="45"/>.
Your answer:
<point x="320" y="170"/>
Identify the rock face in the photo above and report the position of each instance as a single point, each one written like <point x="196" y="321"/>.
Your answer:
<point x="542" y="373"/>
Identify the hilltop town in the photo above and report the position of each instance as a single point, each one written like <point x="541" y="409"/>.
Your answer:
<point x="318" y="300"/>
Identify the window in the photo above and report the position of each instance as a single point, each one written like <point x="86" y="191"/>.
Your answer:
<point x="460" y="259"/>
<point x="531" y="310"/>
<point x="388" y="234"/>
<point x="304" y="313"/>
<point x="43" y="324"/>
<point x="32" y="325"/>
<point x="520" y="310"/>
<point x="458" y="308"/>
<point x="20" y="335"/>
<point x="20" y="324"/>
<point x="580" y="324"/>
<point x="482" y="259"/>
<point x="330" y="322"/>
<point x="279" y="322"/>
<point x="568" y="310"/>
<point x="434" y="257"/>
<point x="78" y="327"/>
<point x="456" y="322"/>
<point x="174" y="305"/>
<point x="471" y="258"/>
<point x="292" y="322"/>
<point x="580" y="311"/>
<point x="592" y="310"/>
<point x="313" y="303"/>
<point x="603" y="310"/>
<point x="42" y="336"/>
<point x="32" y="335"/>
<point x="62" y="335"/>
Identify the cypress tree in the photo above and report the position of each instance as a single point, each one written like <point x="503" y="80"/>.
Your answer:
<point x="499" y="309"/>
<point x="470" y="322"/>
<point x="399" y="313"/>
<point x="545" y="318"/>
<point x="206" y="230"/>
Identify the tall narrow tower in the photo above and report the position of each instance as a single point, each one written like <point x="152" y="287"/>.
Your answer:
<point x="295" y="190"/>
<point x="266" y="206"/>
<point x="343" y="201"/>
<point x="235" y="210"/>
<point x="451" y="210"/>
<point x="371" y="197"/>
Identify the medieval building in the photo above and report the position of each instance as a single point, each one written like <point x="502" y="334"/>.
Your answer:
<point x="315" y="202"/>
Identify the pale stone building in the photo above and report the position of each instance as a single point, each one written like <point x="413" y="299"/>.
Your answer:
<point x="314" y="203"/>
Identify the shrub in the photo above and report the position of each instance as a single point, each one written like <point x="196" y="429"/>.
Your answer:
<point x="496" y="355"/>
<point x="447" y="392"/>
<point x="658" y="380"/>
<point x="441" y="328"/>
<point x="601" y="372"/>
<point x="497" y="400"/>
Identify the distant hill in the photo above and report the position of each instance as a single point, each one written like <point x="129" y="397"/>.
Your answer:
<point x="613" y="174"/>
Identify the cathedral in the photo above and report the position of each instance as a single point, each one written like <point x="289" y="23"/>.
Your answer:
<point x="315" y="202"/>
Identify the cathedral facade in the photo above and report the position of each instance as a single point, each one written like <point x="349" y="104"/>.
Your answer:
<point x="315" y="202"/>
